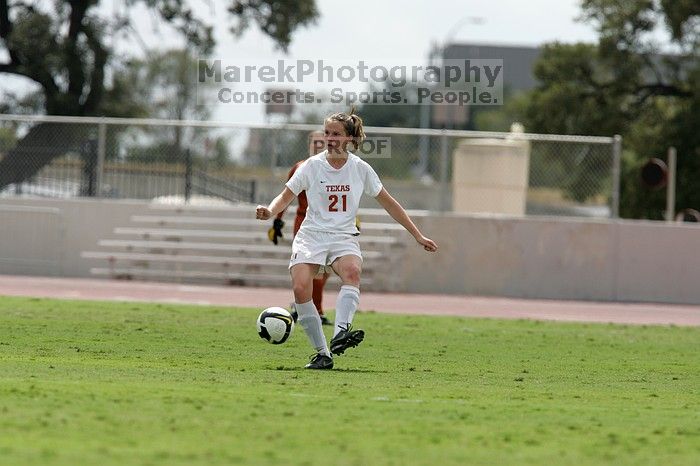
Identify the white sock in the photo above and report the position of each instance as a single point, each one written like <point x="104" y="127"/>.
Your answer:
<point x="311" y="323"/>
<point x="345" y="307"/>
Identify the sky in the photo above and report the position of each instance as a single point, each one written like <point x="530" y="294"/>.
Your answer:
<point x="380" y="31"/>
<point x="384" y="31"/>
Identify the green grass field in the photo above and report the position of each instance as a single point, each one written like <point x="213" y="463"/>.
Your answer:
<point x="124" y="383"/>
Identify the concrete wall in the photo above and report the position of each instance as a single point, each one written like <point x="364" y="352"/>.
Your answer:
<point x="482" y="255"/>
<point x="31" y="239"/>
<point x="557" y="258"/>
<point x="53" y="232"/>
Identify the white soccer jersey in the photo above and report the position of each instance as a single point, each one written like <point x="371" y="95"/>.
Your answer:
<point x="333" y="194"/>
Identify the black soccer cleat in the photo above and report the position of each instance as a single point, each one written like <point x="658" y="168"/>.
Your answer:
<point x="320" y="361"/>
<point x="325" y="320"/>
<point x="346" y="338"/>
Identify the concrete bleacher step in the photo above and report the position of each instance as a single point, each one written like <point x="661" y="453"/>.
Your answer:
<point x="231" y="278"/>
<point x="226" y="244"/>
<point x="283" y="250"/>
<point x="251" y="273"/>
<point x="187" y="259"/>
<point x="248" y="269"/>
<point x="181" y="258"/>
<point x="181" y="233"/>
<point x="134" y="272"/>
<point x="248" y="210"/>
<point x="245" y="223"/>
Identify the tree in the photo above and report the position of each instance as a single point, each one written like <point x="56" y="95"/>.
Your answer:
<point x="62" y="46"/>
<point x="624" y="84"/>
<point x="167" y="82"/>
<point x="500" y="118"/>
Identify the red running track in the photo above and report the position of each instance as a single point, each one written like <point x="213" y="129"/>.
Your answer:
<point x="467" y="306"/>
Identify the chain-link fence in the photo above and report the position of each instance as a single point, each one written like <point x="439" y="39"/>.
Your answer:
<point x="145" y="159"/>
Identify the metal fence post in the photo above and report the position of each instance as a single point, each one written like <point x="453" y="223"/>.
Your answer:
<point x="101" y="152"/>
<point x="617" y="156"/>
<point x="253" y="188"/>
<point x="671" y="185"/>
<point x="423" y="142"/>
<point x="443" y="171"/>
<point x="188" y="175"/>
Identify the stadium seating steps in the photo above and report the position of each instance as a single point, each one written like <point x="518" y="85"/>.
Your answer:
<point x="226" y="245"/>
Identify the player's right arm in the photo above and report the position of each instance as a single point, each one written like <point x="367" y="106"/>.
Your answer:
<point x="296" y="184"/>
<point x="277" y="205"/>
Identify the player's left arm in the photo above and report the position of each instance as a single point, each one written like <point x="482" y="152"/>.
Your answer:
<point x="398" y="213"/>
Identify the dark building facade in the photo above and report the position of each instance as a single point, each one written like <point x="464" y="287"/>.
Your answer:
<point x="518" y="61"/>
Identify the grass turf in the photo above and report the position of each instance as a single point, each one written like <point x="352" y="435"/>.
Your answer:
<point x="125" y="383"/>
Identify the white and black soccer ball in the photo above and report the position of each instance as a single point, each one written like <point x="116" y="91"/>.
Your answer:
<point x="275" y="325"/>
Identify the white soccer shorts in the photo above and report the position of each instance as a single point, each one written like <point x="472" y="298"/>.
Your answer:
<point x="322" y="248"/>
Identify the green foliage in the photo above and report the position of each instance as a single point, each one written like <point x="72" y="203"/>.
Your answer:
<point x="169" y="80"/>
<point x="62" y="45"/>
<point x="159" y="384"/>
<point x="500" y="118"/>
<point x="220" y="154"/>
<point x="162" y="85"/>
<point x="568" y="99"/>
<point x="26" y="103"/>
<point x="582" y="171"/>
<point x="624" y="85"/>
<point x="277" y="18"/>
<point x="35" y="40"/>
<point x="8" y="139"/>
<point x="567" y="73"/>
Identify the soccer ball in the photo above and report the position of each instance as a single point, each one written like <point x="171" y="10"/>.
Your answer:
<point x="275" y="324"/>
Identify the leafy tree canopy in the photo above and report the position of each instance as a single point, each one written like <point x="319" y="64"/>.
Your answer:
<point x="626" y="84"/>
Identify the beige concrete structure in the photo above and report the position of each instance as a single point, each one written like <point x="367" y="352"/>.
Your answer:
<point x="550" y="258"/>
<point x="46" y="236"/>
<point x="558" y="258"/>
<point x="490" y="175"/>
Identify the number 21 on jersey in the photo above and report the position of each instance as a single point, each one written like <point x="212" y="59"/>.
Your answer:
<point x="333" y="198"/>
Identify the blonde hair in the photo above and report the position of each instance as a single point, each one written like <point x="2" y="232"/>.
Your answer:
<point x="352" y="124"/>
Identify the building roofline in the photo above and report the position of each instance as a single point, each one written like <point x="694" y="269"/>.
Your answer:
<point x="494" y="44"/>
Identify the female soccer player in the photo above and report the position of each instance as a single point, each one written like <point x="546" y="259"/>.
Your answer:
<point x="334" y="181"/>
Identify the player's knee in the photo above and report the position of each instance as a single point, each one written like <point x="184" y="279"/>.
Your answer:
<point x="301" y="290"/>
<point x="352" y="274"/>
